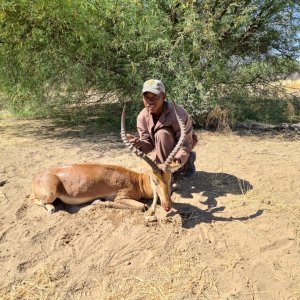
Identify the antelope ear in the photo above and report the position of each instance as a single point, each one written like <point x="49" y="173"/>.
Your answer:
<point x="174" y="166"/>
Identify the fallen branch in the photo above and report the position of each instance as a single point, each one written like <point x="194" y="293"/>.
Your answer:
<point x="266" y="127"/>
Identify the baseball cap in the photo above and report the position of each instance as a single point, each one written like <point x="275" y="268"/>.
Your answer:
<point x="154" y="86"/>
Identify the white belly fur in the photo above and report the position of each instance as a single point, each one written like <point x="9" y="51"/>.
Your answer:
<point x="76" y="201"/>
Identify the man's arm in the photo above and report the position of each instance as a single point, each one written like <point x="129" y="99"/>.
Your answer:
<point x="144" y="141"/>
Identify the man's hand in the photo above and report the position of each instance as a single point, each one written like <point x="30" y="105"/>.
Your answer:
<point x="133" y="140"/>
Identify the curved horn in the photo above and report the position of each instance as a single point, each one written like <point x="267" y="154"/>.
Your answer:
<point x="180" y="141"/>
<point x="138" y="152"/>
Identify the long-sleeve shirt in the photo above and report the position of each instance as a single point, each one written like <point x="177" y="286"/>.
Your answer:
<point x="147" y="129"/>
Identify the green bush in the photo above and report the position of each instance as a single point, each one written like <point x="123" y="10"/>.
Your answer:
<point x="264" y="110"/>
<point x="55" y="53"/>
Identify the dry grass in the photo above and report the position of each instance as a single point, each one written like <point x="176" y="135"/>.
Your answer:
<point x="190" y="276"/>
<point x="41" y="286"/>
<point x="290" y="86"/>
<point x="219" y="119"/>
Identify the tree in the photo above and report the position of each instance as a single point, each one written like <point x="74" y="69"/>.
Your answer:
<point x="207" y="52"/>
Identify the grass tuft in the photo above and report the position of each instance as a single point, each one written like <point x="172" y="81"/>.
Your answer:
<point x="40" y="287"/>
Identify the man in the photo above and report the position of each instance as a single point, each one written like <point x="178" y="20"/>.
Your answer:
<point x="159" y="130"/>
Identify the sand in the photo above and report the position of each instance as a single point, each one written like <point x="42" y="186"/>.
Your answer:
<point x="233" y="232"/>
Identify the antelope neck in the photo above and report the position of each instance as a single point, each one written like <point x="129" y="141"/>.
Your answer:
<point x="145" y="186"/>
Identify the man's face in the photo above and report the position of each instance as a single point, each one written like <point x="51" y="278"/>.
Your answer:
<point x="154" y="103"/>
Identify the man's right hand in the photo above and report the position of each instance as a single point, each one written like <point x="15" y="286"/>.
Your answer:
<point x="133" y="140"/>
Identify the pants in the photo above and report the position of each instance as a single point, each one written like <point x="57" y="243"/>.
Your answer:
<point x="164" y="145"/>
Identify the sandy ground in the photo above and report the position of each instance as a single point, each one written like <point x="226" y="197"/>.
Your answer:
<point x="233" y="232"/>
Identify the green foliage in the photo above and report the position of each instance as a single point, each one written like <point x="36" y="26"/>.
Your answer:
<point x="55" y="53"/>
<point x="263" y="110"/>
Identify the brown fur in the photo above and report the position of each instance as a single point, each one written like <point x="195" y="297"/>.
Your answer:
<point x="81" y="183"/>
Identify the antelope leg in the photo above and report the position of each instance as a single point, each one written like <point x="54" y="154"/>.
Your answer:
<point x="110" y="204"/>
<point x="121" y="204"/>
<point x="132" y="204"/>
<point x="48" y="206"/>
<point x="153" y="205"/>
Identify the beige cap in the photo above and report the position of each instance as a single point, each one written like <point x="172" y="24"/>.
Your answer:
<point x="154" y="86"/>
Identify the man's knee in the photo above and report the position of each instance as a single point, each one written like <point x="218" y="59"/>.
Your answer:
<point x="164" y="136"/>
<point x="164" y="144"/>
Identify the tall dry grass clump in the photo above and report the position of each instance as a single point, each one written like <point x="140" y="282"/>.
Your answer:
<point x="219" y="119"/>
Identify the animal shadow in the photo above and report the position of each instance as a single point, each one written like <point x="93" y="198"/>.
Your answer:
<point x="211" y="185"/>
<point x="71" y="209"/>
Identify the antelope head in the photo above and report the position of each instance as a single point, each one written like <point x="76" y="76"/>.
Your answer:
<point x="161" y="175"/>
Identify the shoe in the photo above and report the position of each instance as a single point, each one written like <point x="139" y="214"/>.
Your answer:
<point x="175" y="176"/>
<point x="191" y="165"/>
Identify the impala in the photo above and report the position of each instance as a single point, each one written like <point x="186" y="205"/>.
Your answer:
<point x="120" y="187"/>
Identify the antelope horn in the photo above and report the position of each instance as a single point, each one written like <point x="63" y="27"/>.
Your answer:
<point x="136" y="151"/>
<point x="180" y="141"/>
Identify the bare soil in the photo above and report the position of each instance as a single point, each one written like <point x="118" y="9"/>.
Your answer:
<point x="234" y="231"/>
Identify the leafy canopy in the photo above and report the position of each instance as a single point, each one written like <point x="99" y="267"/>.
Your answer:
<point x="52" y="53"/>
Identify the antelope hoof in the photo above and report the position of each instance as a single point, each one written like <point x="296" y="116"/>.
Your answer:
<point x="50" y="208"/>
<point x="151" y="218"/>
<point x="96" y="202"/>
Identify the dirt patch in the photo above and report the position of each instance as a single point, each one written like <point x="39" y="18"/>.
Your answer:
<point x="233" y="232"/>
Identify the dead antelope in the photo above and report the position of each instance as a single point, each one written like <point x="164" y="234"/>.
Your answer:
<point x="82" y="183"/>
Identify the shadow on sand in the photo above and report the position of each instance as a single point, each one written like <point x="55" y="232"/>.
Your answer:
<point x="212" y="186"/>
<point x="71" y="209"/>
